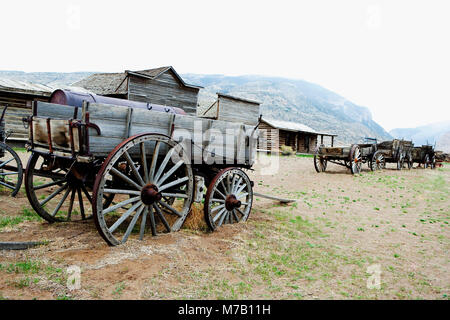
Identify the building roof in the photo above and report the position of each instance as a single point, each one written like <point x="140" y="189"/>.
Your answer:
<point x="292" y="126"/>
<point x="115" y="83"/>
<point x="24" y="87"/>
<point x="237" y="98"/>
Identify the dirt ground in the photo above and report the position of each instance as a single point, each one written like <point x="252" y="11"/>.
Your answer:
<point x="342" y="235"/>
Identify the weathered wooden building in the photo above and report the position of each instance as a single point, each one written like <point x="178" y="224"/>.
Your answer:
<point x="18" y="95"/>
<point x="230" y="108"/>
<point x="163" y="86"/>
<point x="302" y="139"/>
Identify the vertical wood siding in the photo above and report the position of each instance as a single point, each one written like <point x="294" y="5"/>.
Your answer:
<point x="164" y="90"/>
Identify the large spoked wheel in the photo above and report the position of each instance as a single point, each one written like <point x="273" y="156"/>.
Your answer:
<point x="228" y="199"/>
<point x="320" y="163"/>
<point x="156" y="181"/>
<point x="58" y="190"/>
<point x="11" y="172"/>
<point x="355" y="159"/>
<point x="378" y="161"/>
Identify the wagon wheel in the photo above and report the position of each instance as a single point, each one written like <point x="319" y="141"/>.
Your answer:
<point x="10" y="169"/>
<point x="320" y="163"/>
<point x="158" y="184"/>
<point x="400" y="161"/>
<point x="355" y="159"/>
<point x="228" y="199"/>
<point x="426" y="161"/>
<point x="409" y="161"/>
<point x="58" y="191"/>
<point x="433" y="162"/>
<point x="378" y="161"/>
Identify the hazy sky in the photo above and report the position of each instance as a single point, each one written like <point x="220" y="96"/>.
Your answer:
<point x="391" y="56"/>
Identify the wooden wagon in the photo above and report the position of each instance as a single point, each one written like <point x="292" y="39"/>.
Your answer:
<point x="398" y="152"/>
<point x="130" y="168"/>
<point x="351" y="157"/>
<point x="11" y="173"/>
<point x="424" y="155"/>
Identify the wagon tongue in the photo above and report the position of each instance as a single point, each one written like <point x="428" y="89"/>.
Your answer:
<point x="150" y="194"/>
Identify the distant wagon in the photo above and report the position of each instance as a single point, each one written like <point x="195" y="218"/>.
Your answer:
<point x="398" y="152"/>
<point x="351" y="157"/>
<point x="424" y="155"/>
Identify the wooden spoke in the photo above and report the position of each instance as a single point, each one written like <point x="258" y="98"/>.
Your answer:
<point x="80" y="203"/>
<point x="152" y="221"/>
<point x="170" y="172"/>
<point x="120" y="191"/>
<point x="133" y="168"/>
<point x="124" y="216"/>
<point x="171" y="209"/>
<point x="163" y="165"/>
<point x="51" y="196"/>
<point x="125" y="178"/>
<point x="174" y="195"/>
<point x="162" y="218"/>
<point x="173" y="183"/>
<point x="72" y="200"/>
<point x="61" y="202"/>
<point x="154" y="160"/>
<point x="143" y="222"/>
<point x="132" y="224"/>
<point x="144" y="167"/>
<point x="121" y="204"/>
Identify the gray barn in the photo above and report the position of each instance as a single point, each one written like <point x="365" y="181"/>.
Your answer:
<point x="229" y="108"/>
<point x="162" y="86"/>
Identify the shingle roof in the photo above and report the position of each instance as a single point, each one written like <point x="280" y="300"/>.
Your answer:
<point x="292" y="126"/>
<point x="115" y="83"/>
<point x="25" y="87"/>
<point x="105" y="83"/>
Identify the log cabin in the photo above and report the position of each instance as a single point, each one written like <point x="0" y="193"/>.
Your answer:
<point x="301" y="138"/>
<point x="163" y="86"/>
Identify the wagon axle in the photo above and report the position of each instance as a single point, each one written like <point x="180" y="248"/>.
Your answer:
<point x="231" y="202"/>
<point x="150" y="194"/>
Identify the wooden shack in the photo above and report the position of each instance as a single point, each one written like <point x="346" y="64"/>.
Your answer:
<point x="163" y="86"/>
<point x="230" y="108"/>
<point x="301" y="138"/>
<point x="18" y="95"/>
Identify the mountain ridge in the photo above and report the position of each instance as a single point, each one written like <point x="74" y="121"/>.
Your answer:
<point x="282" y="98"/>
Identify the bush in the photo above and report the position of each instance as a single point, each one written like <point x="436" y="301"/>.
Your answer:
<point x="287" y="151"/>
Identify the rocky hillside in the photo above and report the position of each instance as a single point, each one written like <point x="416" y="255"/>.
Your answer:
<point x="436" y="133"/>
<point x="295" y="100"/>
<point x="285" y="99"/>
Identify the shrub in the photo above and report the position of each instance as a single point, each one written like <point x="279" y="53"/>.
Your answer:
<point x="287" y="151"/>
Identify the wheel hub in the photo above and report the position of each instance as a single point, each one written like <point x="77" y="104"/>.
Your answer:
<point x="231" y="202"/>
<point x="150" y="194"/>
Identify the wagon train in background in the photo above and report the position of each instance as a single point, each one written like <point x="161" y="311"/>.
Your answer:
<point x="351" y="157"/>
<point x="10" y="163"/>
<point x="126" y="163"/>
<point x="398" y="152"/>
<point x="424" y="155"/>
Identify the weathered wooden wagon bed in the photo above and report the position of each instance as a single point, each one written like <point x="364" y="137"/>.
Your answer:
<point x="131" y="164"/>
<point x="10" y="164"/>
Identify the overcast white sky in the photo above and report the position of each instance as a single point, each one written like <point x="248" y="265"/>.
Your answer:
<point x="391" y="56"/>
